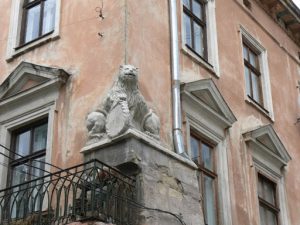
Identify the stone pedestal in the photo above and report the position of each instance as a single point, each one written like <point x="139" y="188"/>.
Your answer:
<point x="165" y="180"/>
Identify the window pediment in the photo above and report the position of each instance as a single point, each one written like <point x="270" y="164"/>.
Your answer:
<point x="267" y="146"/>
<point x="206" y="95"/>
<point x="30" y="78"/>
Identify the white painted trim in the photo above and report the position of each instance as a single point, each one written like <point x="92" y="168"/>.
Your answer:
<point x="224" y="200"/>
<point x="15" y="26"/>
<point x="278" y="153"/>
<point x="28" y="106"/>
<point x="19" y="121"/>
<point x="212" y="37"/>
<point x="224" y="184"/>
<point x="212" y="40"/>
<point x="281" y="190"/>
<point x="211" y="126"/>
<point x="264" y="68"/>
<point x="270" y="162"/>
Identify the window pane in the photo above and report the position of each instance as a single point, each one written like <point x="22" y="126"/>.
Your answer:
<point x="260" y="186"/>
<point x="253" y="59"/>
<point x="248" y="81"/>
<point x="20" y="174"/>
<point x="262" y="214"/>
<point x="198" y="39"/>
<point x="197" y="9"/>
<point x="37" y="171"/>
<point x="195" y="150"/>
<point x="271" y="218"/>
<point x="269" y="192"/>
<point x="40" y="138"/>
<point x="32" y="23"/>
<point x="23" y="144"/>
<point x="49" y="16"/>
<point x="209" y="201"/>
<point x="245" y="52"/>
<point x="207" y="157"/>
<point x="38" y="167"/>
<point x="187" y="3"/>
<point x="188" y="30"/>
<point x="256" y="88"/>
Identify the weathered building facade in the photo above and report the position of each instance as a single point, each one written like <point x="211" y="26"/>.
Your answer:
<point x="216" y="145"/>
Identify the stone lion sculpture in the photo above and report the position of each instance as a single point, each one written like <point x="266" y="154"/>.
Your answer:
<point x="124" y="107"/>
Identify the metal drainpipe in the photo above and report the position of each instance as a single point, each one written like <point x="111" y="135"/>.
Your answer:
<point x="177" y="121"/>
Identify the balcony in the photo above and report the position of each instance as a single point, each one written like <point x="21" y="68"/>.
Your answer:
<point x="92" y="191"/>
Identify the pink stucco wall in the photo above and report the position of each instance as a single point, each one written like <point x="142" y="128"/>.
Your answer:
<point x="143" y="39"/>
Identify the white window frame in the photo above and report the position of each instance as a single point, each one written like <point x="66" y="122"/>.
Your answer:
<point x="265" y="76"/>
<point x="222" y="185"/>
<point x="211" y="125"/>
<point x="13" y="123"/>
<point x="15" y="30"/>
<point x="212" y="39"/>
<point x="271" y="163"/>
<point x="28" y="106"/>
<point x="281" y="199"/>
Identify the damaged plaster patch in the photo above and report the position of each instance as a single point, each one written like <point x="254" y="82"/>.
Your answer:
<point x="167" y="179"/>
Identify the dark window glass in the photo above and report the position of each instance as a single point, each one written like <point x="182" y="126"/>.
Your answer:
<point x="30" y="143"/>
<point x="268" y="209"/>
<point x="38" y="19"/>
<point x="202" y="155"/>
<point x="252" y="74"/>
<point x="195" y="26"/>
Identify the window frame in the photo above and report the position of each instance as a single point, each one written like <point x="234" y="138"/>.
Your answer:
<point x="29" y="105"/>
<point x="256" y="72"/>
<point x="28" y="159"/>
<point x="202" y="23"/>
<point x="27" y="5"/>
<point x="211" y="63"/>
<point x="275" y="209"/>
<point x="266" y="107"/>
<point x="14" y="46"/>
<point x="271" y="164"/>
<point x="202" y="172"/>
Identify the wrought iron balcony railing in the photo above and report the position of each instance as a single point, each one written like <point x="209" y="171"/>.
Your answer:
<point x="90" y="191"/>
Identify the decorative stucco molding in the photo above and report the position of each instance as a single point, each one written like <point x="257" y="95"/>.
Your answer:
<point x="203" y="103"/>
<point x="27" y="95"/>
<point x="267" y="147"/>
<point x="27" y="79"/>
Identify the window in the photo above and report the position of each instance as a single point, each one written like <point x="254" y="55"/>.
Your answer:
<point x="268" y="209"/>
<point x="195" y="26"/>
<point x="269" y="157"/>
<point x="252" y="74"/>
<point x="256" y="74"/>
<point x="207" y="114"/>
<point x="32" y="23"/>
<point x="29" y="145"/>
<point x="38" y="19"/>
<point x="27" y="96"/>
<point x="203" y="156"/>
<point x="199" y="33"/>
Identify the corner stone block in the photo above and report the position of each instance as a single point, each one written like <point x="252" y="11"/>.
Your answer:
<point x="166" y="180"/>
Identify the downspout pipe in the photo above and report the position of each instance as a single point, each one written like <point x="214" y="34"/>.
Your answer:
<point x="177" y="118"/>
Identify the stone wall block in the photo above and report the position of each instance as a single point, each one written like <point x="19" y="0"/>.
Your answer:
<point x="166" y="180"/>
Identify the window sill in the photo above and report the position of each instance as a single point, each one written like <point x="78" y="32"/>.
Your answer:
<point x="196" y="58"/>
<point x="264" y="111"/>
<point x="17" y="51"/>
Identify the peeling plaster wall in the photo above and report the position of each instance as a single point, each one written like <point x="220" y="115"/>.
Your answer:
<point x="144" y="41"/>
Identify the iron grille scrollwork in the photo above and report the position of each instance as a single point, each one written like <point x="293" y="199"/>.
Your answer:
<point x="91" y="191"/>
